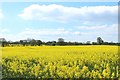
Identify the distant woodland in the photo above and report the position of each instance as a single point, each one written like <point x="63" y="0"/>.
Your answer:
<point x="60" y="42"/>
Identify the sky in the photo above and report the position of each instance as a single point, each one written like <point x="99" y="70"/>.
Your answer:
<point x="59" y="0"/>
<point x="48" y="21"/>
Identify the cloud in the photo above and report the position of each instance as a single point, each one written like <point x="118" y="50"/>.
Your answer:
<point x="29" y="31"/>
<point x="107" y="32"/>
<point x="92" y="27"/>
<point x="104" y="29"/>
<point x="84" y="33"/>
<point x="50" y="34"/>
<point x="4" y="30"/>
<point x="1" y="14"/>
<point x="79" y="33"/>
<point x="100" y="28"/>
<point x="60" y="13"/>
<point x="43" y="34"/>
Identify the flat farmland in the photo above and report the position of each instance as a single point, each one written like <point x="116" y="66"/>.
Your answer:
<point x="60" y="62"/>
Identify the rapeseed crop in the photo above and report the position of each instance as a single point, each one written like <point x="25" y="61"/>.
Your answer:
<point x="60" y="62"/>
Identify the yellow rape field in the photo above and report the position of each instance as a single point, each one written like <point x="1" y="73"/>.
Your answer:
<point x="60" y="62"/>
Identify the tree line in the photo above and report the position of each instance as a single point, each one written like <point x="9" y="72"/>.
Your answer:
<point x="60" y="42"/>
